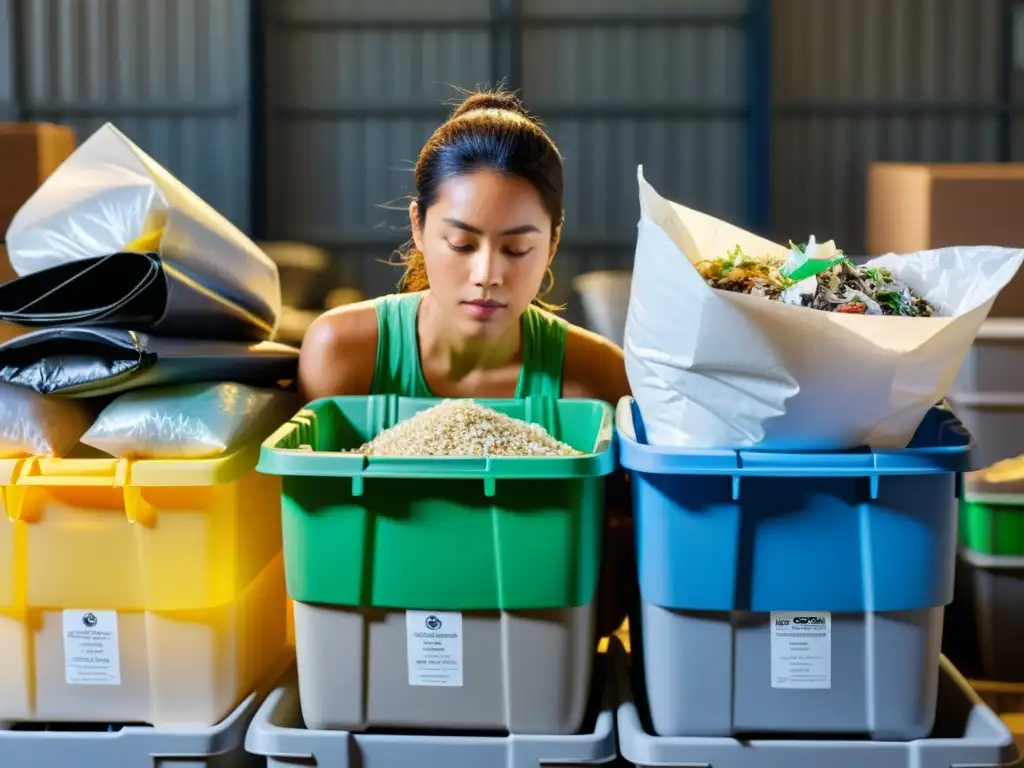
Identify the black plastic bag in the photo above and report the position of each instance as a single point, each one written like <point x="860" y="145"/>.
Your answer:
<point x="96" y="362"/>
<point x="134" y="291"/>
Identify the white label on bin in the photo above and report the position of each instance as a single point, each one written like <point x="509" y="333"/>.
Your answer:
<point x="91" y="652"/>
<point x="801" y="650"/>
<point x="434" y="648"/>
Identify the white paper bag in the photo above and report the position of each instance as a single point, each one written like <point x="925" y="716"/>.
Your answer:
<point x="714" y="369"/>
<point x="109" y="194"/>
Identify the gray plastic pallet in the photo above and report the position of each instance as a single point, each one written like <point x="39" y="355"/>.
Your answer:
<point x="966" y="733"/>
<point x="277" y="734"/>
<point x="140" y="746"/>
<point x="222" y="746"/>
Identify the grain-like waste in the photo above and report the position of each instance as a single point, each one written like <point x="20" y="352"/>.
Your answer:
<point x="464" y="428"/>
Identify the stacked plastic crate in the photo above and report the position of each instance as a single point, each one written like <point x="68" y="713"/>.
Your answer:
<point x="791" y="607"/>
<point x="444" y="607"/>
<point x="989" y="397"/>
<point x="141" y="607"/>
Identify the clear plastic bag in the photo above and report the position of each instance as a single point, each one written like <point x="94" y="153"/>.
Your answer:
<point x="188" y="421"/>
<point x="110" y="196"/>
<point x="35" y="425"/>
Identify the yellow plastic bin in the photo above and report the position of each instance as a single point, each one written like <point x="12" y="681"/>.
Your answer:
<point x="138" y="591"/>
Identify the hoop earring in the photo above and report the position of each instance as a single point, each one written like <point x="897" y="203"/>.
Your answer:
<point x="549" y="281"/>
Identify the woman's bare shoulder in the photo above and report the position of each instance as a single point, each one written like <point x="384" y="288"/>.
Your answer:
<point x="594" y="367"/>
<point x="339" y="352"/>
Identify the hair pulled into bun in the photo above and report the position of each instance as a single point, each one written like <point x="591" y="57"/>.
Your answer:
<point x="504" y="101"/>
<point x="489" y="130"/>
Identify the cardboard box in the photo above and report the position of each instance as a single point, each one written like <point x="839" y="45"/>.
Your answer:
<point x="29" y="152"/>
<point x="6" y="272"/>
<point x="917" y="207"/>
<point x="8" y="330"/>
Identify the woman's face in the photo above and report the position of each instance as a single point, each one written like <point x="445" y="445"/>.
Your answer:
<point x="486" y="243"/>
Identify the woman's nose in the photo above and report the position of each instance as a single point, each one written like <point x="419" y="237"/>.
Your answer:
<point x="486" y="268"/>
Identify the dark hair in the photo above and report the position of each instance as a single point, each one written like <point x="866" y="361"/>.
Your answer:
<point x="489" y="130"/>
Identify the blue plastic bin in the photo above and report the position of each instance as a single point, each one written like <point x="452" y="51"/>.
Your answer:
<point x="786" y="592"/>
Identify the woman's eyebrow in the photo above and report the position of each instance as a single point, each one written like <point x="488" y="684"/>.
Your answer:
<point x="520" y="230"/>
<point x="463" y="225"/>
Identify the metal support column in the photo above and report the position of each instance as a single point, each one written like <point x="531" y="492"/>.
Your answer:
<point x="1011" y="10"/>
<point x="507" y="43"/>
<point x="12" y="46"/>
<point x="257" y="114"/>
<point x="759" y="118"/>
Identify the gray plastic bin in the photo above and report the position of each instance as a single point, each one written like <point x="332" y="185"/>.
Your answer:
<point x="966" y="733"/>
<point x="995" y="361"/>
<point x="996" y="421"/>
<point x="222" y="746"/>
<point x="523" y="671"/>
<point x="277" y="733"/>
<point x="709" y="674"/>
<point x="988" y="396"/>
<point x="999" y="613"/>
<point x="959" y="624"/>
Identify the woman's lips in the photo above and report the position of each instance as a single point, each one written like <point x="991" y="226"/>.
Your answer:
<point x="483" y="308"/>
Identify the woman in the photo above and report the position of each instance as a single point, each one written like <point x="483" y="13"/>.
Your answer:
<point x="486" y="221"/>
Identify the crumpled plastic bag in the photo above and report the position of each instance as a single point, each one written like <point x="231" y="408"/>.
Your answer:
<point x="714" y="369"/>
<point x="130" y="291"/>
<point x="110" y="197"/>
<point x="191" y="421"/>
<point x="99" y="362"/>
<point x="35" y="425"/>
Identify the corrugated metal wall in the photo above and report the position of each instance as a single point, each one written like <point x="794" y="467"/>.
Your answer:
<point x="354" y="88"/>
<point x="353" y="95"/>
<point x="8" y="110"/>
<point x="147" y="66"/>
<point x="863" y="80"/>
<point x="660" y="84"/>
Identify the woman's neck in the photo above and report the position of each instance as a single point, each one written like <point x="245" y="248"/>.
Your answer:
<point x="461" y="355"/>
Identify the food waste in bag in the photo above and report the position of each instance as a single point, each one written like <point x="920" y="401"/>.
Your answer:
<point x="111" y="238"/>
<point x="832" y="282"/>
<point x="190" y="421"/>
<point x="733" y="341"/>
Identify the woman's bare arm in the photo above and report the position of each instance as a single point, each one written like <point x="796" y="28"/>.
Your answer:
<point x="594" y="367"/>
<point x="339" y="353"/>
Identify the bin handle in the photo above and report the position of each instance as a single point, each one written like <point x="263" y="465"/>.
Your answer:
<point x="136" y="509"/>
<point x="43" y="470"/>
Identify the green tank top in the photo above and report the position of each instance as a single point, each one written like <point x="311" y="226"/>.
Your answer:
<point x="398" y="370"/>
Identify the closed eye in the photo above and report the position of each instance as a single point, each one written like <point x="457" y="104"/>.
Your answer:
<point x="517" y="254"/>
<point x="460" y="248"/>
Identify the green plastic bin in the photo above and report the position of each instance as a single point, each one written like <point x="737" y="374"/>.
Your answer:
<point x="993" y="525"/>
<point x="992" y="564"/>
<point x="442" y="594"/>
<point x="457" y="533"/>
